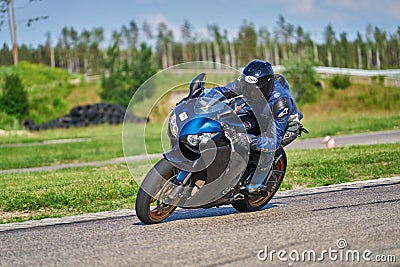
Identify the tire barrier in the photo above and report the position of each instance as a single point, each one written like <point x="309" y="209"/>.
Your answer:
<point x="86" y="115"/>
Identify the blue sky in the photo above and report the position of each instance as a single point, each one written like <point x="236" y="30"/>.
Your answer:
<point x="313" y="15"/>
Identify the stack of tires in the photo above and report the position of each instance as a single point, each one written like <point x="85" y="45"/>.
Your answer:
<point x="94" y="114"/>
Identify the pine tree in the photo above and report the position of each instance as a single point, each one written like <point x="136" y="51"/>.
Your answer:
<point x="14" y="100"/>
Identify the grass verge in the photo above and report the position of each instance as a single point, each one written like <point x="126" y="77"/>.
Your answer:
<point x="344" y="124"/>
<point x="26" y="196"/>
<point x="103" y="142"/>
<point x="86" y="151"/>
<point x="310" y="168"/>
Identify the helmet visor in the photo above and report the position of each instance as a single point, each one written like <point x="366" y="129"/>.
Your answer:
<point x="251" y="85"/>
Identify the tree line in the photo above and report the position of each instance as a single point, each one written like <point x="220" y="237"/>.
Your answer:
<point x="87" y="51"/>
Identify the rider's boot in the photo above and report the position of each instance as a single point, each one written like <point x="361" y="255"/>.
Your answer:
<point x="255" y="188"/>
<point x="257" y="183"/>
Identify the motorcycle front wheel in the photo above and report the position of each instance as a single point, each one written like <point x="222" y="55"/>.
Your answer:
<point x="254" y="203"/>
<point x="150" y="208"/>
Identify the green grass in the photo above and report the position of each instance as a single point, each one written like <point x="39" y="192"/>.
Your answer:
<point x="350" y="124"/>
<point x="98" y="131"/>
<point x="65" y="192"/>
<point x="359" y="108"/>
<point x="46" y="88"/>
<point x="25" y="196"/>
<point x="105" y="143"/>
<point x="31" y="156"/>
<point x="51" y="93"/>
<point x="310" y="168"/>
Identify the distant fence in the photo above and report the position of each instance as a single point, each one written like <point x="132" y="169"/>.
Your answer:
<point x="390" y="77"/>
<point x="319" y="69"/>
<point x="358" y="72"/>
<point x="351" y="72"/>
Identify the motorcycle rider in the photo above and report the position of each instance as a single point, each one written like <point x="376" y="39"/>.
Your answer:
<point x="278" y="101"/>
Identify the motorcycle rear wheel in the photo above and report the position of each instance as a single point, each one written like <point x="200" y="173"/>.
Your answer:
<point x="149" y="207"/>
<point x="254" y="203"/>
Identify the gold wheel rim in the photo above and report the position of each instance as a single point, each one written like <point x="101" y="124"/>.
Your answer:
<point x="162" y="210"/>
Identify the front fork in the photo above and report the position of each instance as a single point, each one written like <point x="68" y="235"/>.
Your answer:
<point x="180" y="180"/>
<point x="182" y="177"/>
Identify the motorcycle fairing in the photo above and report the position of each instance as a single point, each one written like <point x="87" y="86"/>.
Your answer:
<point x="208" y="115"/>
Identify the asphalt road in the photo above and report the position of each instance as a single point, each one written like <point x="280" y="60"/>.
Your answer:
<point x="336" y="222"/>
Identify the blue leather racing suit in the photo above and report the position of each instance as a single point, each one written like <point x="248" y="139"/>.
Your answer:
<point x="283" y="107"/>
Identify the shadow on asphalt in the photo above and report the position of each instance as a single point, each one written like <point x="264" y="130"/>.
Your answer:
<point x="188" y="214"/>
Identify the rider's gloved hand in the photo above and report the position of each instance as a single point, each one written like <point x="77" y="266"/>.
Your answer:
<point x="253" y="141"/>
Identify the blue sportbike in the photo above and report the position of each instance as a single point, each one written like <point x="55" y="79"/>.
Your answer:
<point x="210" y="161"/>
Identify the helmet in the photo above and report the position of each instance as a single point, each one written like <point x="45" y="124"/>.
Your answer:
<point x="258" y="75"/>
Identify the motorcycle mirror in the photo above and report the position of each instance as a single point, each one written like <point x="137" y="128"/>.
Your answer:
<point x="196" y="83"/>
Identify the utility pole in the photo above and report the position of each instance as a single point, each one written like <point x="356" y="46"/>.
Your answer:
<point x="7" y="6"/>
<point x="13" y="29"/>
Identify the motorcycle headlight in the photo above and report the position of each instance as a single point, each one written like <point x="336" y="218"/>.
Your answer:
<point x="196" y="139"/>
<point x="173" y="127"/>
